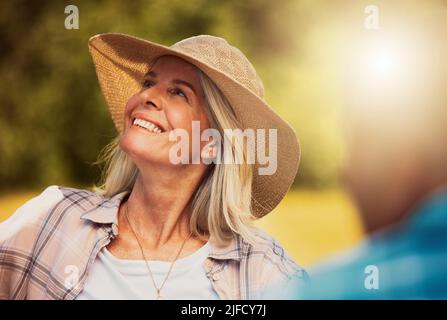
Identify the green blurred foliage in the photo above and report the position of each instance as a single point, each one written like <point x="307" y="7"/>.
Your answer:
<point x="53" y="118"/>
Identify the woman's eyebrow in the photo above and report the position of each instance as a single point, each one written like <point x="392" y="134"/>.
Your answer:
<point x="151" y="73"/>
<point x="175" y="81"/>
<point x="185" y="83"/>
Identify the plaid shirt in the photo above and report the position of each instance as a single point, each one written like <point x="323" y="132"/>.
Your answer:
<point x="49" y="244"/>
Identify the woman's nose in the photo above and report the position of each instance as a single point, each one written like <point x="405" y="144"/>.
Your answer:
<point x="149" y="98"/>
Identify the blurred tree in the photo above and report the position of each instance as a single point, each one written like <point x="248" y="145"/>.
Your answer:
<point x="53" y="120"/>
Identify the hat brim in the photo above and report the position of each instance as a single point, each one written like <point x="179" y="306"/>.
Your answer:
<point x="121" y="62"/>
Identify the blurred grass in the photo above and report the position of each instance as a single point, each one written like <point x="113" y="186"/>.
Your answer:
<point x="309" y="224"/>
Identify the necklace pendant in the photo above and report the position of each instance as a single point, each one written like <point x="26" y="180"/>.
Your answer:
<point x="159" y="297"/>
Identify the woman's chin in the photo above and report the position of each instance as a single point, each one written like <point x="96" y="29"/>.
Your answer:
<point x="142" y="152"/>
<point x="132" y="142"/>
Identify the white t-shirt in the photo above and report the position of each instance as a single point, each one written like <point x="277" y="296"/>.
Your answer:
<point x="112" y="278"/>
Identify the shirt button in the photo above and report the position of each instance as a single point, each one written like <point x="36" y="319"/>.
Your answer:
<point x="115" y="229"/>
<point x="208" y="265"/>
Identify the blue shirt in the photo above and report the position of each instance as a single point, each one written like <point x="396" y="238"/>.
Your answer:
<point x="407" y="261"/>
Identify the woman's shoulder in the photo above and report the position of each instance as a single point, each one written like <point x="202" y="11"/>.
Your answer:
<point x="32" y="211"/>
<point x="266" y="264"/>
<point x="34" y="214"/>
<point x="40" y="237"/>
<point x="271" y="256"/>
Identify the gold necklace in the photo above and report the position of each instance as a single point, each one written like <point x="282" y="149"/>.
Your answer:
<point x="157" y="289"/>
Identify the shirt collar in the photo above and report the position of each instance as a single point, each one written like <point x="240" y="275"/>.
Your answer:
<point x="230" y="251"/>
<point x="106" y="212"/>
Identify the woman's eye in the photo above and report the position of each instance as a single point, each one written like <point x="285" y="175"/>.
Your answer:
<point x="147" y="83"/>
<point x="179" y="92"/>
<point x="176" y="91"/>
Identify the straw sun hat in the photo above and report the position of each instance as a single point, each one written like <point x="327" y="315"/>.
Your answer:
<point x="121" y="61"/>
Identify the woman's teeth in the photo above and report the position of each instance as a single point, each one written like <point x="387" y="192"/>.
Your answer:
<point x="147" y="125"/>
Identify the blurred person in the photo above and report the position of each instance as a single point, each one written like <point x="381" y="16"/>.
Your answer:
<point x="396" y="170"/>
<point x="154" y="229"/>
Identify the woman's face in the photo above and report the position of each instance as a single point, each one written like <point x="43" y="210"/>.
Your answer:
<point x="170" y="97"/>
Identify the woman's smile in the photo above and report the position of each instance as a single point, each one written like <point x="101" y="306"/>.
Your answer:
<point x="146" y="125"/>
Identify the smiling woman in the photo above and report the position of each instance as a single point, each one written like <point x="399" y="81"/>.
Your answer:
<point x="154" y="229"/>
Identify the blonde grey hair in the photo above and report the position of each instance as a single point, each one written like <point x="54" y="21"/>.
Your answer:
<point x="221" y="205"/>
